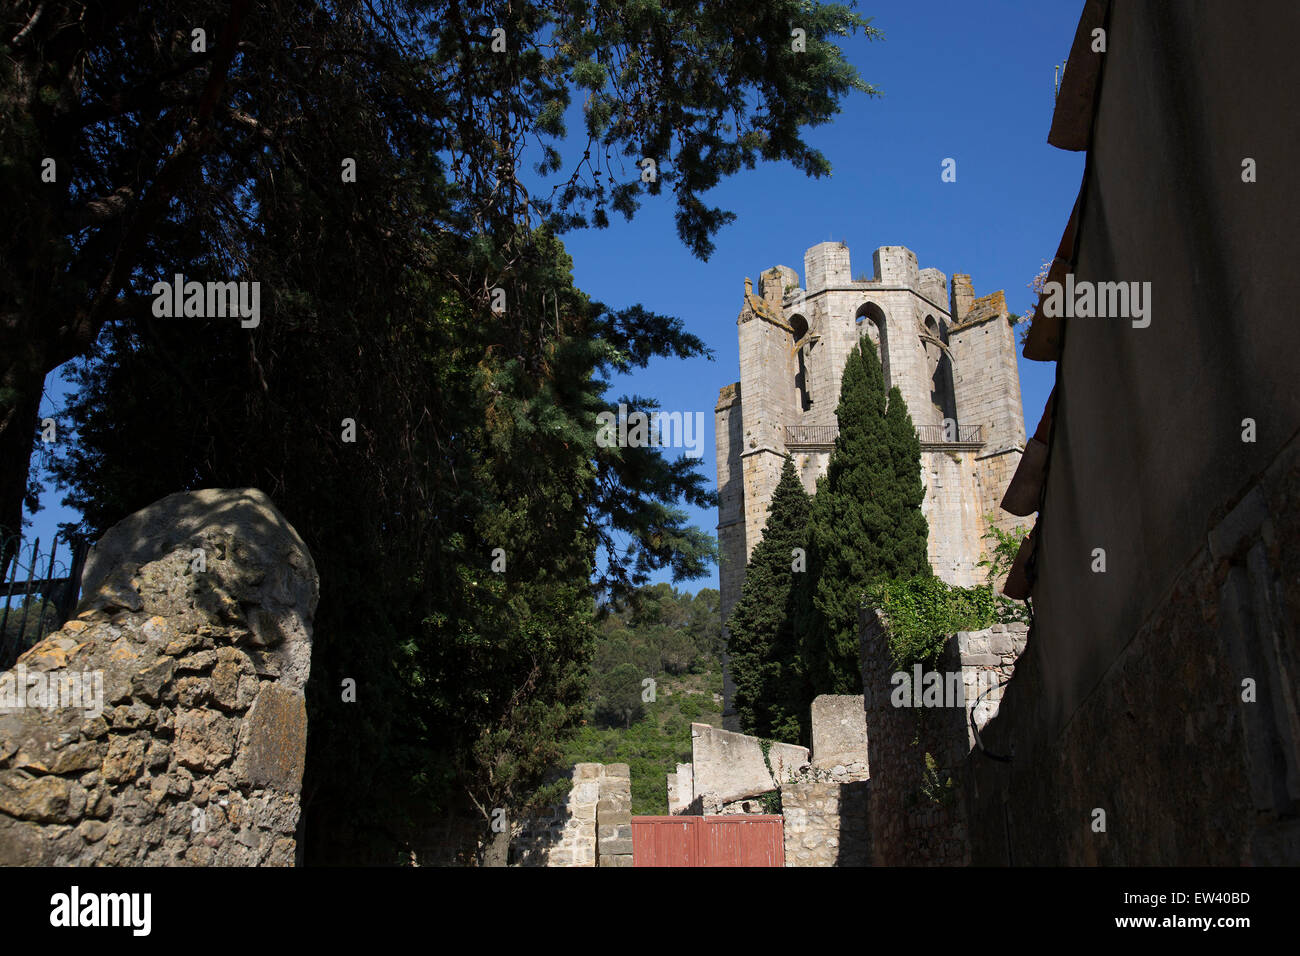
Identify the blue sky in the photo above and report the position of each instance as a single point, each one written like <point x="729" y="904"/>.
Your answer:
<point x="970" y="81"/>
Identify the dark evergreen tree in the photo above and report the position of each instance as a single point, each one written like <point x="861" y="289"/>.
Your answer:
<point x="865" y="524"/>
<point x="134" y="136"/>
<point x="474" y="426"/>
<point x="910" y="532"/>
<point x="763" y="652"/>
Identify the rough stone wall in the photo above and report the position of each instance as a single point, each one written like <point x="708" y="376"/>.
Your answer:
<point x="988" y="662"/>
<point x="762" y="473"/>
<point x="993" y="474"/>
<point x="562" y="835"/>
<point x="907" y="827"/>
<point x="196" y="624"/>
<point x="592" y="827"/>
<point x="1173" y="450"/>
<point x="1187" y="772"/>
<point x="963" y="296"/>
<point x="985" y="377"/>
<point x="733" y="552"/>
<point x="824" y="800"/>
<point x="711" y="806"/>
<point x="934" y="286"/>
<point x="827" y="264"/>
<point x="987" y="386"/>
<point x="826" y="823"/>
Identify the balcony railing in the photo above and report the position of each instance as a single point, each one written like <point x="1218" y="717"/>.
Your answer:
<point x="811" y="435"/>
<point x="932" y="437"/>
<point x="939" y="435"/>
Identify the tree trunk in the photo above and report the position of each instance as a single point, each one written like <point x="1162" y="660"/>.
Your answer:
<point x="497" y="850"/>
<point x="21" y="385"/>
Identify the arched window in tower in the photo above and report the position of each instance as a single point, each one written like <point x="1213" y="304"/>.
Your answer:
<point x="872" y="317"/>
<point x="932" y="351"/>
<point x="799" y="331"/>
<point x="939" y="364"/>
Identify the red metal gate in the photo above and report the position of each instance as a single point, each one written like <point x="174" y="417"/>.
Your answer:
<point x="734" y="840"/>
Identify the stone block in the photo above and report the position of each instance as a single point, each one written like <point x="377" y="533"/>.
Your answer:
<point x="729" y="766"/>
<point x="839" y="730"/>
<point x="585" y="791"/>
<point x="274" y="748"/>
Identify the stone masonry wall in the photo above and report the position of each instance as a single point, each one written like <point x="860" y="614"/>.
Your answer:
<point x="952" y="511"/>
<point x="826" y="823"/>
<point x="907" y="827"/>
<point x="988" y="662"/>
<point x="614" y="817"/>
<point x="824" y="796"/>
<point x="593" y="827"/>
<point x="194" y="639"/>
<point x="563" y="835"/>
<point x="985" y="376"/>
<point x="1191" y="765"/>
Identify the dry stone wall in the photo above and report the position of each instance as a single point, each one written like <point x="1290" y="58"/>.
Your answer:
<point x="191" y="647"/>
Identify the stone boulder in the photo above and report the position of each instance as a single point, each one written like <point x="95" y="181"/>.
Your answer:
<point x="166" y="723"/>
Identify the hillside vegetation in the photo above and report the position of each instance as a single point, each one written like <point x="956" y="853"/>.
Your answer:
<point x="675" y="640"/>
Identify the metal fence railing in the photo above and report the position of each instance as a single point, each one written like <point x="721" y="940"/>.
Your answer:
<point x="942" y="435"/>
<point x="38" y="590"/>
<point x="811" y="434"/>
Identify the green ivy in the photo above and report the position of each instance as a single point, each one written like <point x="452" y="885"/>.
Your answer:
<point x="1001" y="556"/>
<point x="935" y="787"/>
<point x="924" y="612"/>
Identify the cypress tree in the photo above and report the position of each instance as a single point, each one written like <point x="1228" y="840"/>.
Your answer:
<point x="910" y="530"/>
<point x="763" y="652"/>
<point x="865" y="523"/>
